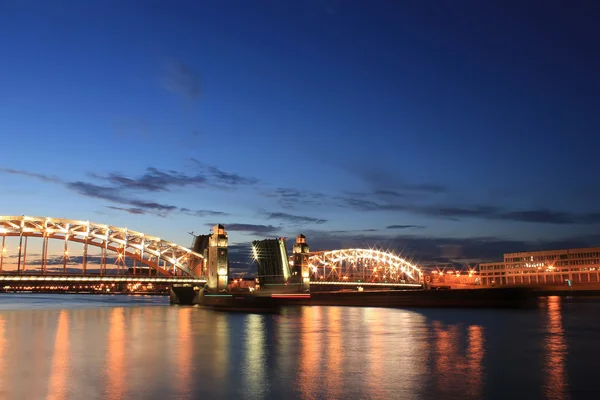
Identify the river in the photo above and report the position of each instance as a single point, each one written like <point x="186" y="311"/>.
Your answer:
<point x="136" y="347"/>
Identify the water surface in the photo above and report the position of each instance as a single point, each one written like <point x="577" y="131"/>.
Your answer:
<point x="121" y="347"/>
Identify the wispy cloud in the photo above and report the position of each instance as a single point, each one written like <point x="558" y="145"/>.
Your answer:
<point x="489" y="212"/>
<point x="130" y="210"/>
<point x="118" y="188"/>
<point x="41" y="177"/>
<point x="542" y="216"/>
<point x="404" y="227"/>
<point x="202" y="213"/>
<point x="179" y="78"/>
<point x="219" y="177"/>
<point x="385" y="182"/>
<point x="153" y="180"/>
<point x="114" y="195"/>
<point x="291" y="198"/>
<point x="354" y="231"/>
<point x="295" y="219"/>
<point x="228" y="178"/>
<point x="363" y="203"/>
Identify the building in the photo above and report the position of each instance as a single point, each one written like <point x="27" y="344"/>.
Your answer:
<point x="570" y="266"/>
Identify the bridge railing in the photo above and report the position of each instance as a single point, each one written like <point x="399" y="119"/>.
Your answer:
<point x="80" y="278"/>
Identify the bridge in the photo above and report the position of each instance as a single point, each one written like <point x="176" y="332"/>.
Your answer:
<point x="365" y="265"/>
<point x="333" y="268"/>
<point x="98" y="254"/>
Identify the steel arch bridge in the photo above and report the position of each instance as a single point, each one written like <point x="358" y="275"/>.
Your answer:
<point x="365" y="265"/>
<point x="151" y="251"/>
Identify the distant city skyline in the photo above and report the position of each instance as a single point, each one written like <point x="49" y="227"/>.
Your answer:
<point x="450" y="132"/>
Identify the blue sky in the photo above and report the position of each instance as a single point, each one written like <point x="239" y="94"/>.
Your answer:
<point x="417" y="126"/>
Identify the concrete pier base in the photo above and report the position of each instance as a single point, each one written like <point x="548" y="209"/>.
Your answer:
<point x="185" y="294"/>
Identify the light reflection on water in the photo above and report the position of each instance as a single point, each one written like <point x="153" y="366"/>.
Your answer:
<point x="556" y="350"/>
<point x="115" y="366"/>
<point x="255" y="348"/>
<point x="60" y="369"/>
<point x="113" y="350"/>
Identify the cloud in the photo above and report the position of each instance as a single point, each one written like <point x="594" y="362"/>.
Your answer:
<point x="296" y="219"/>
<point x="386" y="182"/>
<point x="130" y="210"/>
<point x="41" y="177"/>
<point x="489" y="212"/>
<point x="541" y="216"/>
<point x="388" y="193"/>
<point x="348" y="231"/>
<point x="290" y="198"/>
<point x="363" y="204"/>
<point x="118" y="188"/>
<point x="404" y="227"/>
<point x="253" y="229"/>
<point x="220" y="177"/>
<point x="114" y="195"/>
<point x="228" y="178"/>
<point x="555" y="217"/>
<point x="423" y="187"/>
<point x="153" y="180"/>
<point x="180" y="79"/>
<point x="202" y="213"/>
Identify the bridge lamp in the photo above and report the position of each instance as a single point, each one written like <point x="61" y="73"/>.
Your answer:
<point x="305" y="274"/>
<point x="222" y="271"/>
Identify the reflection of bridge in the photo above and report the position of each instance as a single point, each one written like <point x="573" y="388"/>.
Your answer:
<point x="110" y="255"/>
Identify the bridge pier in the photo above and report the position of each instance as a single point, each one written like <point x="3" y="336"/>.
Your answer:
<point x="214" y="249"/>
<point x="216" y="266"/>
<point x="185" y="294"/>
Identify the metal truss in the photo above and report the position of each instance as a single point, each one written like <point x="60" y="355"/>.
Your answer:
<point x="364" y="264"/>
<point x="150" y="250"/>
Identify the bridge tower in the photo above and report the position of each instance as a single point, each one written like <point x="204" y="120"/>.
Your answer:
<point x="300" y="272"/>
<point x="218" y="260"/>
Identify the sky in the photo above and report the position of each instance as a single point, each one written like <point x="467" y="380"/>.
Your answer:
<point x="448" y="131"/>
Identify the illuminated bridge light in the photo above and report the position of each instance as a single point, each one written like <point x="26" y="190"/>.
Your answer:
<point x="354" y="264"/>
<point x="166" y="258"/>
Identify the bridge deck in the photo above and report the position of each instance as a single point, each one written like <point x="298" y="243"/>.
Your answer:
<point x="383" y="284"/>
<point x="80" y="278"/>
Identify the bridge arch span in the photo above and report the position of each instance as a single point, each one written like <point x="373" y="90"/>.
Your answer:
<point x="363" y="264"/>
<point x="149" y="250"/>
